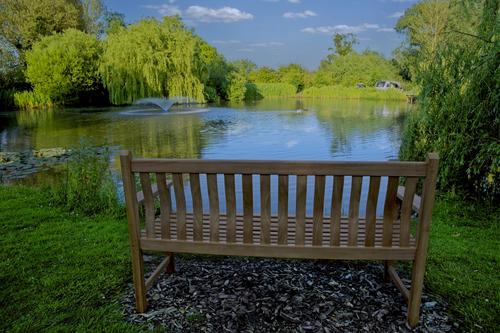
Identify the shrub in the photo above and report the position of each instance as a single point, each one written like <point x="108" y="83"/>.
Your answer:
<point x="276" y="89"/>
<point x="353" y="93"/>
<point x="29" y="100"/>
<point x="88" y="187"/>
<point x="64" y="67"/>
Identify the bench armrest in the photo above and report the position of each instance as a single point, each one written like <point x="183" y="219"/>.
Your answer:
<point x="154" y="188"/>
<point x="416" y="199"/>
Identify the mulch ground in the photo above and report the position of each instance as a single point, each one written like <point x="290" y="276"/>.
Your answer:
<point x="210" y="294"/>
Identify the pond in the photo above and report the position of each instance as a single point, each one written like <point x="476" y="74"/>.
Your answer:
<point x="286" y="129"/>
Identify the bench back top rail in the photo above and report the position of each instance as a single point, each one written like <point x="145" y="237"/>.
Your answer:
<point x="194" y="224"/>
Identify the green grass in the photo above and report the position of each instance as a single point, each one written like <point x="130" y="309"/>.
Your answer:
<point x="464" y="262"/>
<point x="58" y="271"/>
<point x="276" y="90"/>
<point x="62" y="272"/>
<point x="342" y="92"/>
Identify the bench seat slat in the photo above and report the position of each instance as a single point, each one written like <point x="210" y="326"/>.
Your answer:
<point x="279" y="251"/>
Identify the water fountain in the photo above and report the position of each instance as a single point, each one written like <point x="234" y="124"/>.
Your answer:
<point x="164" y="103"/>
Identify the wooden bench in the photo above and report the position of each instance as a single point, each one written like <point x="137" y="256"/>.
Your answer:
<point x="178" y="228"/>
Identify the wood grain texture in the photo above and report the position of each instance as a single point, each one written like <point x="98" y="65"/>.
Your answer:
<point x="149" y="203"/>
<point x="318" y="208"/>
<point x="406" y="210"/>
<point x="371" y="210"/>
<point x="300" y="210"/>
<point x="180" y="204"/>
<point x="354" y="209"/>
<point x="390" y="209"/>
<point x="247" y="208"/>
<point x="165" y="204"/>
<point x="230" y="207"/>
<point x="194" y="181"/>
<point x="213" y="200"/>
<point x="282" y="209"/>
<point x="413" y="169"/>
<point x="336" y="210"/>
<point x="265" y="209"/>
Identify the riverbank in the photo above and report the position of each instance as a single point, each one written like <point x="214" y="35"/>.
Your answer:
<point x="61" y="271"/>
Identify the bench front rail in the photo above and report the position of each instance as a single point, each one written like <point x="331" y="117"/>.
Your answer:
<point x="273" y="231"/>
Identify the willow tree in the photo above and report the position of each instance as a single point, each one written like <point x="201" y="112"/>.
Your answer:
<point x="151" y="58"/>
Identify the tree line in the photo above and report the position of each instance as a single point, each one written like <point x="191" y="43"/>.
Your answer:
<point x="77" y="52"/>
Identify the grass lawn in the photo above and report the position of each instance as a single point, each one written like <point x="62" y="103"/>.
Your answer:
<point x="59" y="272"/>
<point x="62" y="272"/>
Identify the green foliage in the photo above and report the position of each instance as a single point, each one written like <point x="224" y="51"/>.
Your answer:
<point x="244" y="66"/>
<point x="88" y="187"/>
<point x="264" y="75"/>
<point x="29" y="100"/>
<point x="7" y="98"/>
<point x="274" y="90"/>
<point x="214" y="72"/>
<point x="342" y="92"/>
<point x="237" y="87"/>
<point x="152" y="58"/>
<point x="348" y="70"/>
<point x="343" y="44"/>
<point x="295" y="75"/>
<point x="64" y="67"/>
<point x="459" y="107"/>
<point x="24" y="22"/>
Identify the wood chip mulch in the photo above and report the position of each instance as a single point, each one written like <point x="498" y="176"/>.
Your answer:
<point x="210" y="294"/>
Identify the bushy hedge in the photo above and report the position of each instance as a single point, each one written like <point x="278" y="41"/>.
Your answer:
<point x="268" y="90"/>
<point x="342" y="92"/>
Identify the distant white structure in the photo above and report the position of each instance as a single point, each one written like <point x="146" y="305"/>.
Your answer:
<point x="383" y="85"/>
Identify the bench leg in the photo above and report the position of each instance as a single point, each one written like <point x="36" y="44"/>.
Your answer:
<point x="141" y="303"/>
<point x="171" y="264"/>
<point x="387" y="277"/>
<point x="417" y="284"/>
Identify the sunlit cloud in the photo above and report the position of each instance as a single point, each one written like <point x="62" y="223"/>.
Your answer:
<point x="346" y="29"/>
<point x="304" y="14"/>
<point x="224" y="14"/>
<point x="165" y="10"/>
<point x="267" y="44"/>
<point x="396" y="15"/>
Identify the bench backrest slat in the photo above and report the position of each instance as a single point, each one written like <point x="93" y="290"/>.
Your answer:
<point x="265" y="209"/>
<point x="336" y="210"/>
<point x="165" y="204"/>
<point x="149" y="209"/>
<point x="300" y="210"/>
<point x="213" y="199"/>
<point x="282" y="209"/>
<point x="390" y="210"/>
<point x="406" y="210"/>
<point x="180" y="205"/>
<point x="318" y="208"/>
<point x="247" y="209"/>
<point x="230" y="192"/>
<point x="194" y="181"/>
<point x="354" y="210"/>
<point x="371" y="210"/>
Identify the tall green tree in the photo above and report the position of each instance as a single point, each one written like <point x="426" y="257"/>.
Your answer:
<point x="460" y="102"/>
<point x="244" y="66"/>
<point x="295" y="75"/>
<point x="237" y="87"/>
<point x="64" y="67"/>
<point x="24" y="22"/>
<point x="152" y="58"/>
<point x="343" y="44"/>
<point x="264" y="75"/>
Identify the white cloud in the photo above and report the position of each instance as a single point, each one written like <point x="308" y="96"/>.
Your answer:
<point x="165" y="10"/>
<point x="343" y="29"/>
<point x="385" y="30"/>
<point x="294" y="1"/>
<point x="232" y="41"/>
<point x="396" y="15"/>
<point x="266" y="44"/>
<point x="245" y="50"/>
<point x="224" y="14"/>
<point x="304" y="14"/>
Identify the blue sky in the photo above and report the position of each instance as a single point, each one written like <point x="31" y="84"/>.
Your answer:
<point x="277" y="32"/>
